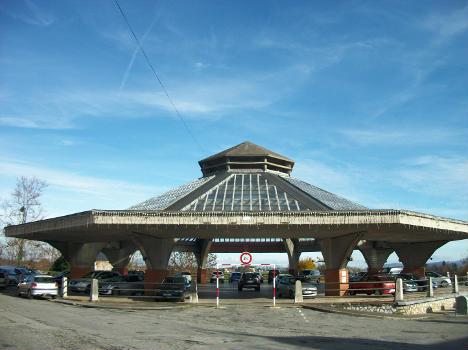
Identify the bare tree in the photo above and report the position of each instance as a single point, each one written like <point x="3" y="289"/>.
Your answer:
<point x="23" y="206"/>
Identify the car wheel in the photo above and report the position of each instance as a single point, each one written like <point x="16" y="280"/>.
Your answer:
<point x="379" y="292"/>
<point x="29" y="295"/>
<point x="444" y="284"/>
<point x="291" y="294"/>
<point x="54" y="297"/>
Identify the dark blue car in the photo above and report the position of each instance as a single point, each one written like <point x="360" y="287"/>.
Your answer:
<point x="235" y="276"/>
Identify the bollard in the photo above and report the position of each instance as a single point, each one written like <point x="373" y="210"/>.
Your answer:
<point x="94" y="290"/>
<point x="430" y="288"/>
<point x="194" y="294"/>
<point x="461" y="305"/>
<point x="455" y="284"/>
<point x="64" y="288"/>
<point x="399" y="290"/>
<point x="448" y="274"/>
<point x="298" y="298"/>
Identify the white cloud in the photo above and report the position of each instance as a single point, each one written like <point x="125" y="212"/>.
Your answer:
<point x="400" y="137"/>
<point x="447" y="25"/>
<point x="36" y="122"/>
<point x="72" y="182"/>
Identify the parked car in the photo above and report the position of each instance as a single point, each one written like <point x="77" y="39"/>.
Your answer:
<point x="376" y="284"/>
<point x="58" y="277"/>
<point x="38" y="285"/>
<point x="281" y="276"/>
<point x="249" y="280"/>
<point x="173" y="288"/>
<point x="3" y="279"/>
<point x="214" y="276"/>
<point x="235" y="277"/>
<point x="185" y="274"/>
<point x="442" y="281"/>
<point x="260" y="276"/>
<point x="392" y="270"/>
<point x="422" y="282"/>
<point x="410" y="287"/>
<point x="123" y="285"/>
<point x="310" y="275"/>
<point x="15" y="273"/>
<point x="270" y="275"/>
<point x="83" y="284"/>
<point x="287" y="287"/>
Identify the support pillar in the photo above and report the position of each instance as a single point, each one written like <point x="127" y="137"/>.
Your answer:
<point x="201" y="253"/>
<point x="415" y="255"/>
<point x="292" y="249"/>
<point x="336" y="254"/>
<point x="375" y="254"/>
<point x="156" y="253"/>
<point x="119" y="255"/>
<point x="80" y="255"/>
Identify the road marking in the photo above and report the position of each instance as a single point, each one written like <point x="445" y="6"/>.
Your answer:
<point x="302" y="314"/>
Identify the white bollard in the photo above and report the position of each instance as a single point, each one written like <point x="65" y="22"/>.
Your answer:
<point x="430" y="288"/>
<point x="94" y="290"/>
<point x="455" y="284"/>
<point x="298" y="298"/>
<point x="399" y="290"/>
<point x="64" y="288"/>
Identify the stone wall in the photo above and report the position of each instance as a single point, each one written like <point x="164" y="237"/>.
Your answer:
<point x="410" y="307"/>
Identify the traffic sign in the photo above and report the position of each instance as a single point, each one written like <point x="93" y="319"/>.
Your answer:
<point x="246" y="258"/>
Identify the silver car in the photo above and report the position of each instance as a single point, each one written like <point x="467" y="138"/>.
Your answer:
<point x="287" y="287"/>
<point x="442" y="281"/>
<point x="123" y="285"/>
<point x="38" y="285"/>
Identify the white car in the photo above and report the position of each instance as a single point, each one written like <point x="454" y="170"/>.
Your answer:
<point x="214" y="275"/>
<point x="38" y="285"/>
<point x="287" y="287"/>
<point x="442" y="281"/>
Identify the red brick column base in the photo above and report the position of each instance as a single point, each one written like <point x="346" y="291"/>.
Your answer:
<point x="201" y="276"/>
<point x="77" y="272"/>
<point x="336" y="282"/>
<point x="152" y="277"/>
<point x="421" y="271"/>
<point x="123" y="270"/>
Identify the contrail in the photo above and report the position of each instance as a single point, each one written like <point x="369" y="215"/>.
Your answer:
<point x="130" y="65"/>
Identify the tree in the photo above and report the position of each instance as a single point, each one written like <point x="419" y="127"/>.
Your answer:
<point x="23" y="206"/>
<point x="307" y="264"/>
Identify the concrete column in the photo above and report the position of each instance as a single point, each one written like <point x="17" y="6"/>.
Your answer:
<point x="156" y="253"/>
<point x="415" y="255"/>
<point x="375" y="254"/>
<point x="80" y="255"/>
<point x="119" y="255"/>
<point x="336" y="254"/>
<point x="298" y="297"/>
<point x="202" y="250"/>
<point x="292" y="249"/>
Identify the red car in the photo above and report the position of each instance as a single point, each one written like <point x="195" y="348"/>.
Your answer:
<point x="376" y="284"/>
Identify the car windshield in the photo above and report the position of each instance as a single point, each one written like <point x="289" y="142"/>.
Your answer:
<point x="174" y="280"/>
<point x="250" y="275"/>
<point x="44" y="280"/>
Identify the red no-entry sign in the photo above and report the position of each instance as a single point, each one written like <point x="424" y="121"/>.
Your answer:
<point x="246" y="258"/>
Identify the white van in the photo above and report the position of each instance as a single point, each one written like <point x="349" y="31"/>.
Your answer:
<point x="392" y="270"/>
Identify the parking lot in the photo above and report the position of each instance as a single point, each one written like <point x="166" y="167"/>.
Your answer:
<point x="42" y="323"/>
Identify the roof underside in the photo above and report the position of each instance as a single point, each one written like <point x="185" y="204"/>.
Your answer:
<point x="257" y="191"/>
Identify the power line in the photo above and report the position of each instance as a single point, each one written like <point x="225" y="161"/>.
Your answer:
<point x="156" y="75"/>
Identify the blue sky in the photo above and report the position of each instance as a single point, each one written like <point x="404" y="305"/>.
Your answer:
<point x="369" y="98"/>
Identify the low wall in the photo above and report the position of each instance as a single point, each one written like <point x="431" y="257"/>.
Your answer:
<point x="410" y="307"/>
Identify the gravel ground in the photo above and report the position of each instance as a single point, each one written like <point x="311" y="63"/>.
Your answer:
<point x="44" y="324"/>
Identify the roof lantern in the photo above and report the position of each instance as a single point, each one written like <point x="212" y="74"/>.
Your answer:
<point x="246" y="157"/>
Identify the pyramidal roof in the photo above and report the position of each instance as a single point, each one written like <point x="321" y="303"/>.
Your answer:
<point x="247" y="177"/>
